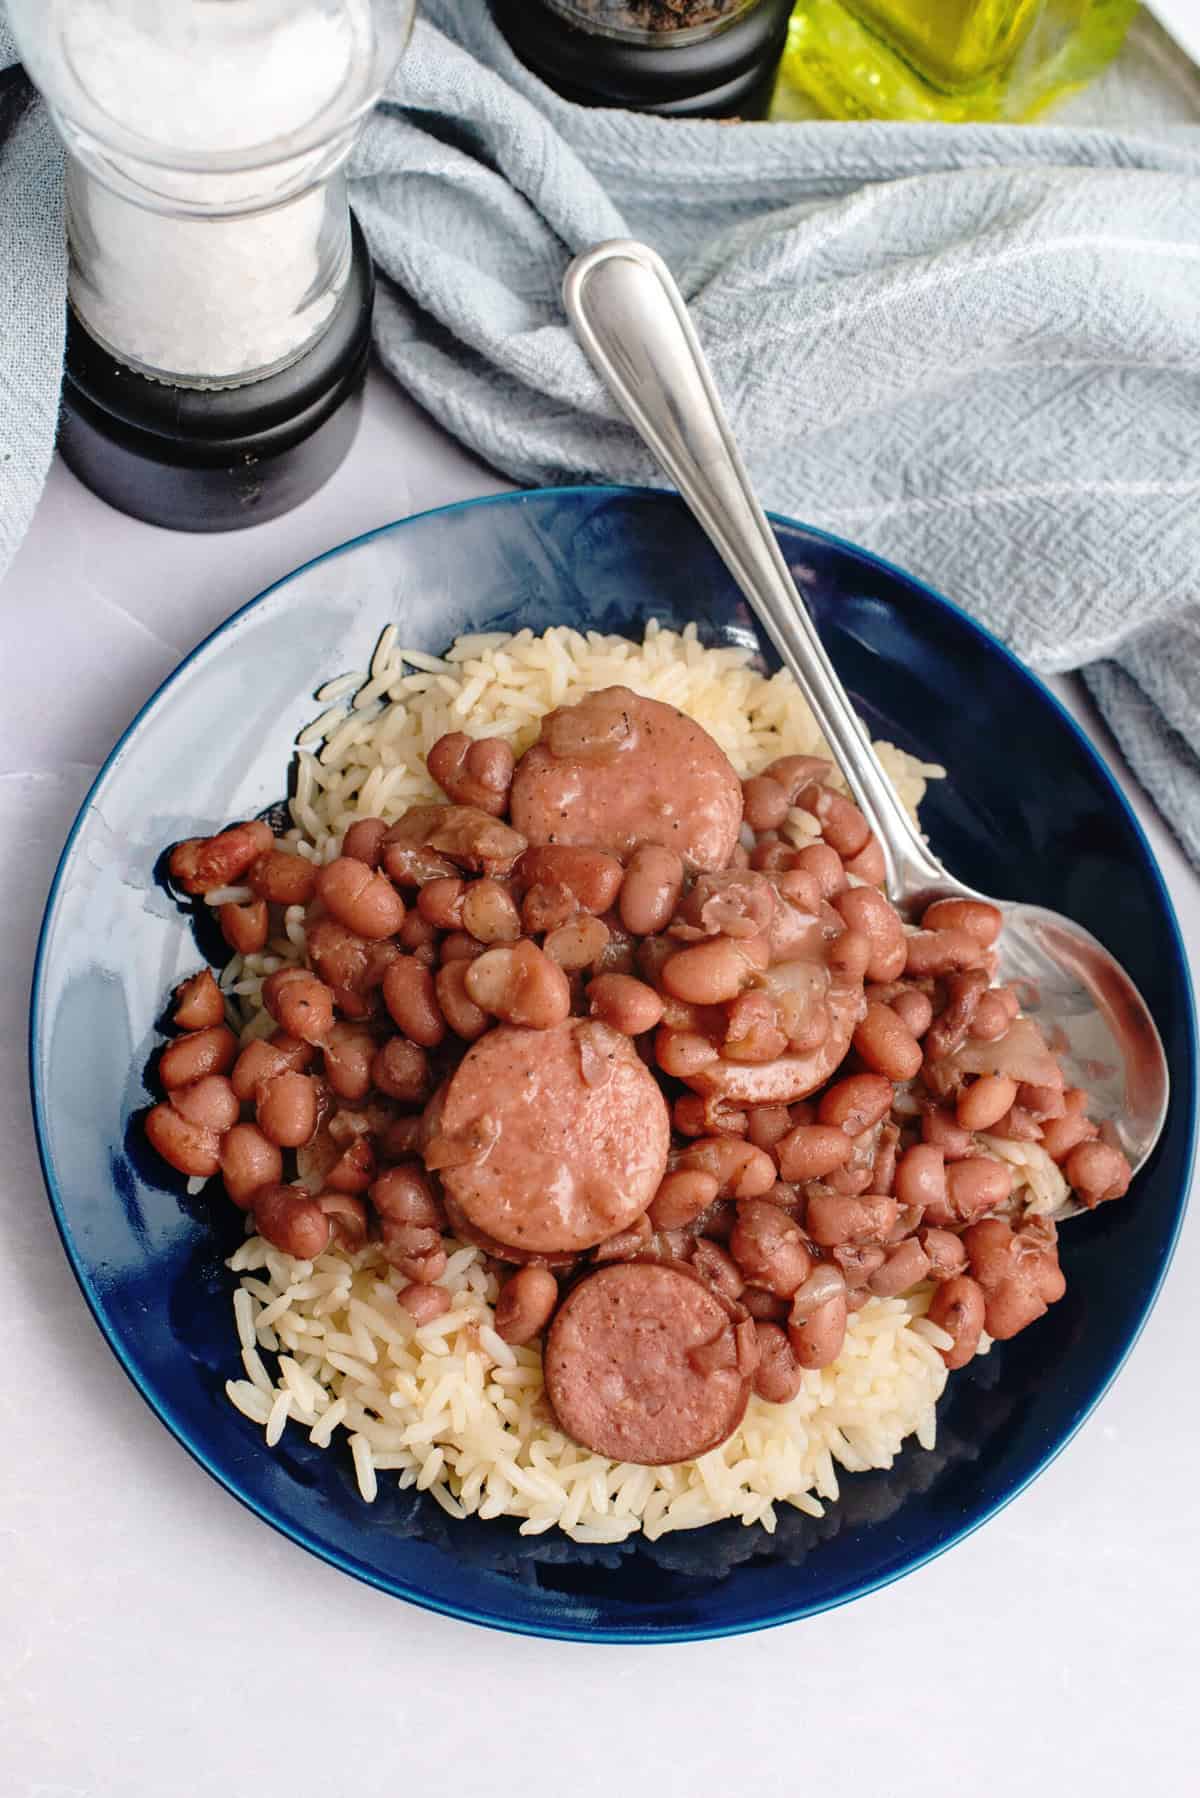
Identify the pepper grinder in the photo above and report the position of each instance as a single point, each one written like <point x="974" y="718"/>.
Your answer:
<point x="220" y="291"/>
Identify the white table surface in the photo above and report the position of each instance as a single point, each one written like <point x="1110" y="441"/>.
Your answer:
<point x="156" y="1641"/>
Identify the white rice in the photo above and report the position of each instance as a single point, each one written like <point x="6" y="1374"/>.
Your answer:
<point x="450" y="1407"/>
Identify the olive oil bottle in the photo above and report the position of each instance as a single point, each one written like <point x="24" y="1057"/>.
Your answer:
<point x="952" y="60"/>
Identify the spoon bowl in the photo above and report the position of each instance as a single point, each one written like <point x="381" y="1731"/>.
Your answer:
<point x="633" y="325"/>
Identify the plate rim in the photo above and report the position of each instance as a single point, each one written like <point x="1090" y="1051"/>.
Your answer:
<point x="632" y="1635"/>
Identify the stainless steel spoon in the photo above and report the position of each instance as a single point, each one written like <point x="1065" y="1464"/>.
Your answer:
<point x="632" y="322"/>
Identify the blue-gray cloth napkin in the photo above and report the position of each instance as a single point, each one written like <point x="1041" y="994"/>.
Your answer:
<point x="975" y="350"/>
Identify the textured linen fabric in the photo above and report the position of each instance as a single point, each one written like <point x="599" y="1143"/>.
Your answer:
<point x="975" y="350"/>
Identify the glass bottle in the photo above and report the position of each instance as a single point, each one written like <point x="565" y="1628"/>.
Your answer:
<point x="950" y="60"/>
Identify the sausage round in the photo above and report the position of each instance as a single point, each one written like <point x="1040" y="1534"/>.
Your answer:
<point x="552" y="1140"/>
<point x="642" y="1364"/>
<point x="617" y="771"/>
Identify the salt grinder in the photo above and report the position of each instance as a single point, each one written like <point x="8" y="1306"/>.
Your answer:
<point x="220" y="289"/>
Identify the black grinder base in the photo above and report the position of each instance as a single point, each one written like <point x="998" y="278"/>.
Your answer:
<point x="200" y="460"/>
<point x="730" y="74"/>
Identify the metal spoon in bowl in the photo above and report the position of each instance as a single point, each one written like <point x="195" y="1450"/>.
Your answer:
<point x="632" y="322"/>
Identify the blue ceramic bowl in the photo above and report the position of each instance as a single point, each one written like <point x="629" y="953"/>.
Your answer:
<point x="1028" y="809"/>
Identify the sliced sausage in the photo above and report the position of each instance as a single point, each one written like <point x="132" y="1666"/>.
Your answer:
<point x="616" y="771"/>
<point x="642" y="1364"/>
<point x="552" y="1140"/>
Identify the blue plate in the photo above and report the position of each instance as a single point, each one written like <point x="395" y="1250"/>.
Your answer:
<point x="1028" y="809"/>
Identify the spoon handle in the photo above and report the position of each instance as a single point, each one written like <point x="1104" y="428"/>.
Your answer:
<point x="631" y="320"/>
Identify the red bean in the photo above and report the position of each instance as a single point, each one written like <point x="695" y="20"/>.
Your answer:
<point x="363" y="841"/>
<point x="914" y="1010"/>
<point x="856" y="1102"/>
<point x="832" y="1220"/>
<point x="458" y="1008"/>
<point x="741" y="1170"/>
<point x="1060" y="1136"/>
<point x="440" y="902"/>
<point x="720" y="1270"/>
<point x="402" y="1138"/>
<point x="842" y="824"/>
<point x="245" y="927"/>
<point x="767" y="1125"/>
<point x="204" y="863"/>
<point x="489" y="912"/>
<point x="260" y="1059"/>
<point x="975" y="1186"/>
<point x="769" y="1248"/>
<point x="858" y="1261"/>
<point x="958" y="1308"/>
<point x="779" y="1376"/>
<point x="361" y="898"/>
<point x="291" y="1221"/>
<point x="991" y="1020"/>
<point x="765" y="804"/>
<point x="950" y="1028"/>
<point x="753" y="1031"/>
<point x="975" y="916"/>
<point x="708" y="973"/>
<point x="942" y="1132"/>
<point x="864" y="909"/>
<point x="627" y="1245"/>
<point x="825" y="866"/>
<point x="249" y="1161"/>
<point x="456" y="945"/>
<point x="921" y="1176"/>
<point x="985" y="1101"/>
<point x="651" y="888"/>
<point x="593" y="877"/>
<point x="625" y="1004"/>
<point x="525" y="1304"/>
<point x="287" y="1109"/>
<point x="1019" y="1275"/>
<point x="1096" y="1170"/>
<point x="300" y="1003"/>
<point x="850" y="1180"/>
<point x="682" y="1053"/>
<point x="190" y="1148"/>
<point x="200" y="1052"/>
<point x="283" y="879"/>
<point x="947" y="1256"/>
<point x="347" y="1053"/>
<point x="423" y="1270"/>
<point x="405" y="1195"/>
<point x="810" y="1151"/>
<point x="475" y="773"/>
<point x="886" y="1045"/>
<point x="424" y="1303"/>
<point x="883" y="1168"/>
<point x="682" y="1197"/>
<point x="578" y="944"/>
<point x="401" y="1070"/>
<point x="824" y="1283"/>
<point x="354" y="1169"/>
<point x="817" y="1339"/>
<point x="410" y="995"/>
<point x="198" y="1003"/>
<point x="794" y="772"/>
<point x="347" y="1217"/>
<point x="868" y="864"/>
<point x="520" y="985"/>
<point x="906" y="1266"/>
<point x="210" y="1101"/>
<point x="941" y="952"/>
<point x="849" y="954"/>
